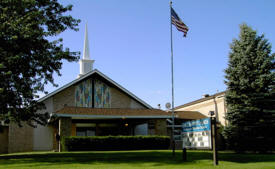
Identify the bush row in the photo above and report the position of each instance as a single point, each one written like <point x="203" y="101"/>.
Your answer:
<point x="78" y="143"/>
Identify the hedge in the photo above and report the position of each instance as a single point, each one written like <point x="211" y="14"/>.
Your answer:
<point x="79" y="143"/>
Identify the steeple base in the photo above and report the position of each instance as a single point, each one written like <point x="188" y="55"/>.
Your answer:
<point x="85" y="66"/>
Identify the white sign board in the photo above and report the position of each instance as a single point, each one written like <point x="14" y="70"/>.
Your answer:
<point x="197" y="134"/>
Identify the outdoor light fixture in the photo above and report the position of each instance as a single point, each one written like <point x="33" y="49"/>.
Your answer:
<point x="211" y="113"/>
<point x="126" y="124"/>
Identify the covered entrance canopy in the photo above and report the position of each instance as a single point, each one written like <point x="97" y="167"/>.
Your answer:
<point x="81" y="121"/>
<point x="112" y="113"/>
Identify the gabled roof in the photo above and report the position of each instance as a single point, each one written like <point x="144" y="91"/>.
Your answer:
<point x="200" y="100"/>
<point x="95" y="71"/>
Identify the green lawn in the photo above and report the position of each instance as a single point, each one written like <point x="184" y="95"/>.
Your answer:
<point x="160" y="159"/>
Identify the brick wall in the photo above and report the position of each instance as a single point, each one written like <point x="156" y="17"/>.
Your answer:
<point x="73" y="129"/>
<point x="118" y="99"/>
<point x="4" y="141"/>
<point x="20" y="138"/>
<point x="121" y="100"/>
<point x="65" y="127"/>
<point x="160" y="127"/>
<point x="55" y="131"/>
<point x="65" y="97"/>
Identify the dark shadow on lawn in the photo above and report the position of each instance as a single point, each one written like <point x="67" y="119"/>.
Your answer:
<point x="134" y="157"/>
<point x="246" y="157"/>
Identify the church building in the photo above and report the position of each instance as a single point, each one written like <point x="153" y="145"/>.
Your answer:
<point x="91" y="105"/>
<point x="209" y="106"/>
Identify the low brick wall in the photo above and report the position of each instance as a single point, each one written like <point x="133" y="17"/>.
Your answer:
<point x="20" y="138"/>
<point x="4" y="140"/>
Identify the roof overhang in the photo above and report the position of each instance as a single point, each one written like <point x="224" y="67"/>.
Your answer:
<point x="217" y="95"/>
<point x="111" y="113"/>
<point x="87" y="116"/>
<point x="189" y="115"/>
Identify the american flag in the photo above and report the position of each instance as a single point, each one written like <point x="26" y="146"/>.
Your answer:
<point x="178" y="23"/>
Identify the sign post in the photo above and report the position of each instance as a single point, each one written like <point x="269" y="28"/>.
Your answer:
<point x="184" y="154"/>
<point x="214" y="140"/>
<point x="200" y="134"/>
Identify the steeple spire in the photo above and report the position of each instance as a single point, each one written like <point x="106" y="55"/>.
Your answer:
<point x="86" y="64"/>
<point x="86" y="51"/>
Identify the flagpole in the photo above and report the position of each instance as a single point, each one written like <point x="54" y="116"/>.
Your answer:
<point x="172" y="72"/>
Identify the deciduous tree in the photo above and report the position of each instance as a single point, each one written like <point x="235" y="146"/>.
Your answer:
<point x="28" y="56"/>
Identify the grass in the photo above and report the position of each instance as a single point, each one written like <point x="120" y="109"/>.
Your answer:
<point x="160" y="159"/>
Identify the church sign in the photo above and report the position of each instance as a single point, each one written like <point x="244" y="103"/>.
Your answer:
<point x="196" y="134"/>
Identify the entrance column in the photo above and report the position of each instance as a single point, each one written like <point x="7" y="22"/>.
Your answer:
<point x="64" y="129"/>
<point x="160" y="127"/>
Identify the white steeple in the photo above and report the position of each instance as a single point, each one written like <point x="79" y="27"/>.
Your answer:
<point x="86" y="51"/>
<point x="86" y="64"/>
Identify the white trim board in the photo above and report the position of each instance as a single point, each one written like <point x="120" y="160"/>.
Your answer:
<point x="84" y="116"/>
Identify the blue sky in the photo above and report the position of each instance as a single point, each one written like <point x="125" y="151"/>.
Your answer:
<point x="130" y="43"/>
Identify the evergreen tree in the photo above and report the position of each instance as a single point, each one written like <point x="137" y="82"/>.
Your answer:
<point x="30" y="55"/>
<point x="250" y="95"/>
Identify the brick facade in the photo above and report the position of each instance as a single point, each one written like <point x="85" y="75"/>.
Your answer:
<point x="65" y="127"/>
<point x="73" y="129"/>
<point x="55" y="143"/>
<point x="160" y="127"/>
<point x="64" y="98"/>
<point x="20" y="138"/>
<point x="4" y="130"/>
<point x="121" y="100"/>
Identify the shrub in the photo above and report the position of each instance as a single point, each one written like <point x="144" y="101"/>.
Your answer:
<point x="220" y="138"/>
<point x="79" y="143"/>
